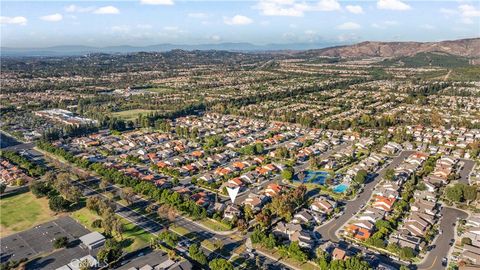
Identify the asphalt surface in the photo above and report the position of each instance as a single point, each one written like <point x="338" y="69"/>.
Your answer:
<point x="445" y="241"/>
<point x="466" y="170"/>
<point x="39" y="240"/>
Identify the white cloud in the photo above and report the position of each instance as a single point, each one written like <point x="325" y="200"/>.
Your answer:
<point x="215" y="38"/>
<point x="157" y="2"/>
<point x="465" y="11"/>
<point x="354" y="9"/>
<point x="349" y="26"/>
<point x="170" y="28"/>
<point x="384" y="24"/>
<point x="197" y="15"/>
<point x="238" y="20"/>
<point x="123" y="29"/>
<point x="469" y="11"/>
<point x="448" y="11"/>
<point x="348" y="38"/>
<point x="427" y="27"/>
<point x="107" y="10"/>
<point x="392" y="5"/>
<point x="294" y="8"/>
<point x="77" y="9"/>
<point x="20" y="20"/>
<point x="52" y="18"/>
<point x="144" y="26"/>
<point x="327" y="5"/>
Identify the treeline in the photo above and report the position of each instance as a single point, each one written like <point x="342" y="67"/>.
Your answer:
<point x="30" y="167"/>
<point x="162" y="196"/>
<point x="62" y="195"/>
<point x="68" y="131"/>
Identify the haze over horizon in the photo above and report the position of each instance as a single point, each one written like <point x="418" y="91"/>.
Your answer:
<point x="34" y="24"/>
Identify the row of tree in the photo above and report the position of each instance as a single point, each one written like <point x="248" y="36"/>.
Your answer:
<point x="162" y="196"/>
<point x="30" y="167"/>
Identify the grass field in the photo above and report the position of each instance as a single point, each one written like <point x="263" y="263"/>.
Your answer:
<point x="22" y="212"/>
<point x="133" y="236"/>
<point x="131" y="114"/>
<point x="214" y="225"/>
<point x="179" y="230"/>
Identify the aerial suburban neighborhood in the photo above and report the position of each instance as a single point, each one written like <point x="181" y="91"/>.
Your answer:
<point x="347" y="156"/>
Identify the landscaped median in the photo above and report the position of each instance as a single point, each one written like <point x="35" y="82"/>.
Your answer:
<point x="274" y="254"/>
<point x="214" y="225"/>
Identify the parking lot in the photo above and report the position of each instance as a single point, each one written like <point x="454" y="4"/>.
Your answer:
<point x="39" y="240"/>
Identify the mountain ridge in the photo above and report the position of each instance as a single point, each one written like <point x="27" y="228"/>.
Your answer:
<point x="462" y="47"/>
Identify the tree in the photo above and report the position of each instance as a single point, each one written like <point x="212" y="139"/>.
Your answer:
<point x="220" y="264"/>
<point x="466" y="241"/>
<point x="361" y="176"/>
<point x="20" y="182"/>
<point x="104" y="183"/>
<point x="469" y="193"/>
<point x="111" y="252"/>
<point x="60" y="242"/>
<point x="197" y="254"/>
<point x="390" y="174"/>
<point x="218" y="244"/>
<point x="58" y="204"/>
<point x="40" y="189"/>
<point x="168" y="238"/>
<point x="85" y="265"/>
<point x="128" y="195"/>
<point x="287" y="173"/>
<point x="2" y="188"/>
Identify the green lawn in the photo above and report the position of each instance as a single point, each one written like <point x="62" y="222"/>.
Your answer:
<point x="131" y="114"/>
<point x="214" y="225"/>
<point x="133" y="236"/>
<point x="22" y="212"/>
<point x="208" y="244"/>
<point x="179" y="230"/>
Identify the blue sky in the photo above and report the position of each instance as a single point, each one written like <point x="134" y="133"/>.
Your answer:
<point x="147" y="22"/>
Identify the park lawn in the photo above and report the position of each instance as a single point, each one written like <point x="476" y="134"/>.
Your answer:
<point x="214" y="225"/>
<point x="133" y="236"/>
<point x="179" y="230"/>
<point x="140" y="237"/>
<point x="22" y="212"/>
<point x="131" y="114"/>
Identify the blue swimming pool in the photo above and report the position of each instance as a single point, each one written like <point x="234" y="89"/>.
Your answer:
<point x="316" y="177"/>
<point x="340" y="188"/>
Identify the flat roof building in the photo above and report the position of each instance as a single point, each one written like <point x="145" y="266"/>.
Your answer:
<point x="93" y="240"/>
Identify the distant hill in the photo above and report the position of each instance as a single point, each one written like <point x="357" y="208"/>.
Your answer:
<point x="73" y="50"/>
<point x="429" y="59"/>
<point x="463" y="47"/>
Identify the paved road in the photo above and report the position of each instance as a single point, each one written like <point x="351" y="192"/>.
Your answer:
<point x="444" y="242"/>
<point x="466" y="170"/>
<point x="328" y="231"/>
